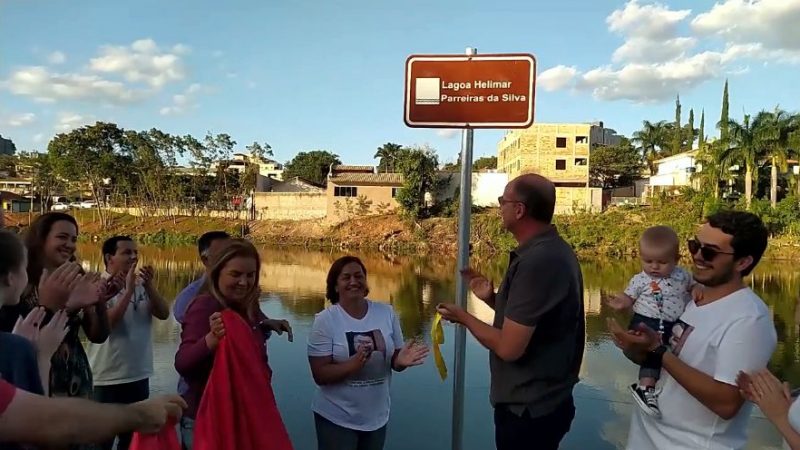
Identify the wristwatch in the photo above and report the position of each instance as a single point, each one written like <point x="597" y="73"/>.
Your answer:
<point x="655" y="356"/>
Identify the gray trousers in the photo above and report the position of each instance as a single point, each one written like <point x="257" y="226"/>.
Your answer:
<point x="333" y="437"/>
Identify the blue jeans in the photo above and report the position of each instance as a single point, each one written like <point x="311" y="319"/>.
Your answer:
<point x="187" y="433"/>
<point x="652" y="323"/>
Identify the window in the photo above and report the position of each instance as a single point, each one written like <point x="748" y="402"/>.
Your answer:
<point x="395" y="191"/>
<point x="580" y="161"/>
<point x="581" y="139"/>
<point x="345" y="191"/>
<point x="561" y="142"/>
<point x="561" y="164"/>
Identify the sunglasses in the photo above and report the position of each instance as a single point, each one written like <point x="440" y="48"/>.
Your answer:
<point x="707" y="253"/>
<point x="502" y="201"/>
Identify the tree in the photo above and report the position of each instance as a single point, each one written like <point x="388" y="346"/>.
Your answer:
<point x="7" y="146"/>
<point x="313" y="166"/>
<point x="691" y="131"/>
<point x="724" y="120"/>
<point x="702" y="136"/>
<point x="484" y="163"/>
<point x="418" y="166"/>
<point x="742" y="147"/>
<point x="615" y="166"/>
<point x="652" y="139"/>
<point x="258" y="155"/>
<point x="388" y="154"/>
<point x="677" y="132"/>
<point x="713" y="161"/>
<point x="92" y="155"/>
<point x="773" y="130"/>
<point x="43" y="180"/>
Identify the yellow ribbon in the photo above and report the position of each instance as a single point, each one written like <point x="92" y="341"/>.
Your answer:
<point x="437" y="338"/>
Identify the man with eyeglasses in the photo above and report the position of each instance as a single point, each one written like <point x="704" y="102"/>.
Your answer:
<point x="536" y="341"/>
<point x="728" y="331"/>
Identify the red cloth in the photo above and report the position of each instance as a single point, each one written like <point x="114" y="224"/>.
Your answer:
<point x="166" y="439"/>
<point x="238" y="409"/>
<point x="7" y="393"/>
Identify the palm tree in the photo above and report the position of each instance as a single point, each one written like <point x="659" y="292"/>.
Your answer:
<point x="652" y="139"/>
<point x="388" y="153"/>
<point x="714" y="161"/>
<point x="772" y="131"/>
<point x="743" y="148"/>
<point x="794" y="148"/>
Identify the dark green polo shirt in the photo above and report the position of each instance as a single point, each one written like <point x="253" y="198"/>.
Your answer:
<point x="543" y="287"/>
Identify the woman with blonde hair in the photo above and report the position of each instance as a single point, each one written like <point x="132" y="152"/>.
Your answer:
<point x="232" y="284"/>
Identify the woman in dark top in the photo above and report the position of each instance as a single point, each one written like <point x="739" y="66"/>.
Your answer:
<point x="50" y="241"/>
<point x="22" y="363"/>
<point x="232" y="283"/>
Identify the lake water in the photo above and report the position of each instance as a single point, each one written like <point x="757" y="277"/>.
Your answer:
<point x="294" y="283"/>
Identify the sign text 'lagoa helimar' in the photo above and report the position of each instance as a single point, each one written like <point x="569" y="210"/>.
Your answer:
<point x="477" y="91"/>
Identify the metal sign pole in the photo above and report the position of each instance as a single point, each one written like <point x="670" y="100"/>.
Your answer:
<point x="464" y="212"/>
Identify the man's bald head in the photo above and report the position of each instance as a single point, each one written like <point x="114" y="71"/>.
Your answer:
<point x="538" y="194"/>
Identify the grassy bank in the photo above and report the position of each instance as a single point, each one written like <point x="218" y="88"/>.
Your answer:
<point x="614" y="233"/>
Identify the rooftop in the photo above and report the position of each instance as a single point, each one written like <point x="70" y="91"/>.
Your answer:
<point x="376" y="179"/>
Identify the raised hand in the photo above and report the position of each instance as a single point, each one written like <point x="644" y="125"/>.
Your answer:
<point x="85" y="292"/>
<point x="481" y="286"/>
<point x="412" y="354"/>
<point x="111" y="287"/>
<point x="55" y="286"/>
<point x="28" y="327"/>
<point x="52" y="335"/>
<point x="450" y="312"/>
<point x="147" y="274"/>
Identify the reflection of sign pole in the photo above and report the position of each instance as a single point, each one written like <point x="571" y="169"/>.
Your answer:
<point x="472" y="91"/>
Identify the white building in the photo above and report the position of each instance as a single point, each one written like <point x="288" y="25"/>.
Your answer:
<point x="673" y="172"/>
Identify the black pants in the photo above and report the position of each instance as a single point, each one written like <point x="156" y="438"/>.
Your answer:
<point x="513" y="432"/>
<point x="125" y="394"/>
<point x="645" y="370"/>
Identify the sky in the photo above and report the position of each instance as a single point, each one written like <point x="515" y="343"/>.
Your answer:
<point x="325" y="74"/>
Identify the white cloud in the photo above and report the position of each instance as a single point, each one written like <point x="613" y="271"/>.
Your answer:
<point x="645" y="50"/>
<point x="771" y="23"/>
<point x="655" y="62"/>
<point x="141" y="62"/>
<point x="40" y="84"/>
<point x="68" y="121"/>
<point x="56" y="58"/>
<point x="654" y="21"/>
<point x="448" y="133"/>
<point x="652" y="82"/>
<point x="182" y="102"/>
<point x="556" y="78"/>
<point x="17" y="120"/>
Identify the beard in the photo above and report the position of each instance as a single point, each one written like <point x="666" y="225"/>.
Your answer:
<point x="721" y="274"/>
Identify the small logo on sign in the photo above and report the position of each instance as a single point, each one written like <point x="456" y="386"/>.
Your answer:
<point x="427" y="92"/>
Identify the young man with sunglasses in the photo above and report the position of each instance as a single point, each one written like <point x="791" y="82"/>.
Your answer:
<point x="727" y="331"/>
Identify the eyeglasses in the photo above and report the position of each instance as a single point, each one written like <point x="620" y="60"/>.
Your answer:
<point x="707" y="253"/>
<point x="502" y="201"/>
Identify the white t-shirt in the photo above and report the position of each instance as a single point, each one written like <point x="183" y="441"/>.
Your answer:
<point x="127" y="355"/>
<point x="362" y="402"/>
<point x="720" y="339"/>
<point x="674" y="291"/>
<point x="794" y="420"/>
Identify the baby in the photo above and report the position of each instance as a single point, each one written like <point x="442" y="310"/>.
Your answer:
<point x="658" y="295"/>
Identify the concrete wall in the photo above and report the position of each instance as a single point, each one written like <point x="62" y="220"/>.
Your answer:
<point x="486" y="187"/>
<point x="340" y="208"/>
<point x="536" y="150"/>
<point x="290" y="205"/>
<point x="162" y="212"/>
<point x="575" y="199"/>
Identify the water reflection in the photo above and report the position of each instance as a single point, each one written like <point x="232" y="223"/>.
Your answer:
<point x="294" y="286"/>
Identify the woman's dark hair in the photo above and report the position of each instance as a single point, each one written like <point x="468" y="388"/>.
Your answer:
<point x="35" y="238"/>
<point x="333" y="276"/>
<point x="12" y="253"/>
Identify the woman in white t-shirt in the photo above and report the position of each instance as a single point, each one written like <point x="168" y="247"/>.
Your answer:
<point x="775" y="401"/>
<point x="353" y="347"/>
